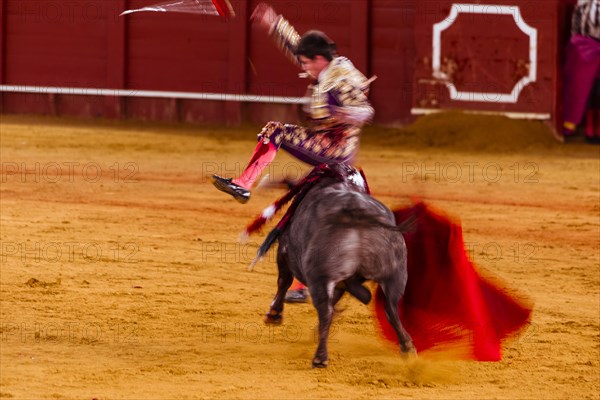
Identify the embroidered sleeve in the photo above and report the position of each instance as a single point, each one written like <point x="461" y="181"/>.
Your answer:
<point x="286" y="38"/>
<point x="351" y="105"/>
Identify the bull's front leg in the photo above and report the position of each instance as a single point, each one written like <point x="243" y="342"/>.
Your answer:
<point x="284" y="281"/>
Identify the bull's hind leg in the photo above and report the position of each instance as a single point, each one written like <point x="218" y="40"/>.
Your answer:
<point x="322" y="298"/>
<point x="284" y="281"/>
<point x="392" y="296"/>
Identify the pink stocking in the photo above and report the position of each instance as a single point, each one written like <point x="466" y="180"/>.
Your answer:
<point x="263" y="155"/>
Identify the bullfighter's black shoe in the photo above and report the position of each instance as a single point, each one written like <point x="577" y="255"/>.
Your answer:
<point x="226" y="185"/>
<point x="296" y="296"/>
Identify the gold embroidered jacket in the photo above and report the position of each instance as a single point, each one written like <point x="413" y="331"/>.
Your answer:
<point x="339" y="96"/>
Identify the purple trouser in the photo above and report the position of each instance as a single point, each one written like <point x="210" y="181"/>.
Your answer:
<point x="581" y="69"/>
<point x="337" y="143"/>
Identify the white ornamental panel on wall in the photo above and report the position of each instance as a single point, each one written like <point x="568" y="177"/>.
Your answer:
<point x="482" y="58"/>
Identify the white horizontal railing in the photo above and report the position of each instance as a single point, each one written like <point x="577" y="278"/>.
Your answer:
<point x="509" y="114"/>
<point x="252" y="98"/>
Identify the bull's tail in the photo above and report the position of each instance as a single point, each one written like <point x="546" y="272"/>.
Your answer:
<point x="359" y="291"/>
<point x="265" y="246"/>
<point x="361" y="218"/>
<point x="408" y="224"/>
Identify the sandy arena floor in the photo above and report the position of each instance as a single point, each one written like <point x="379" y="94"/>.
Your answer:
<point x="122" y="277"/>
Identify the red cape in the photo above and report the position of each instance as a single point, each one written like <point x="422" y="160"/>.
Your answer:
<point x="447" y="305"/>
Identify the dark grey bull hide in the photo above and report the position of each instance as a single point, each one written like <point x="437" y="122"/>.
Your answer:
<point x="339" y="237"/>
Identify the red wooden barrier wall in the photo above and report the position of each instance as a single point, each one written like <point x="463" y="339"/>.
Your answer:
<point x="85" y="44"/>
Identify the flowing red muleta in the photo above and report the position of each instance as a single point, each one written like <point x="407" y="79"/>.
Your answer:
<point x="448" y="305"/>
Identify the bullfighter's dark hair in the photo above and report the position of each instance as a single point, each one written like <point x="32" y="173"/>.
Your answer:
<point x="316" y="43"/>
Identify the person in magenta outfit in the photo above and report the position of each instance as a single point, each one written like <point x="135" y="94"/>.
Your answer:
<point x="582" y="65"/>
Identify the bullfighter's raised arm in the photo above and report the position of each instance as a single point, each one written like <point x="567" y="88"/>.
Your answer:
<point x="284" y="34"/>
<point x="286" y="38"/>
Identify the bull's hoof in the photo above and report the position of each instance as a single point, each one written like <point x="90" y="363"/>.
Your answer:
<point x="409" y="351"/>
<point x="273" y="319"/>
<point x="316" y="363"/>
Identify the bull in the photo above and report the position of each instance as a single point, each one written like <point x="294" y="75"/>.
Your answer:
<point x="335" y="237"/>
